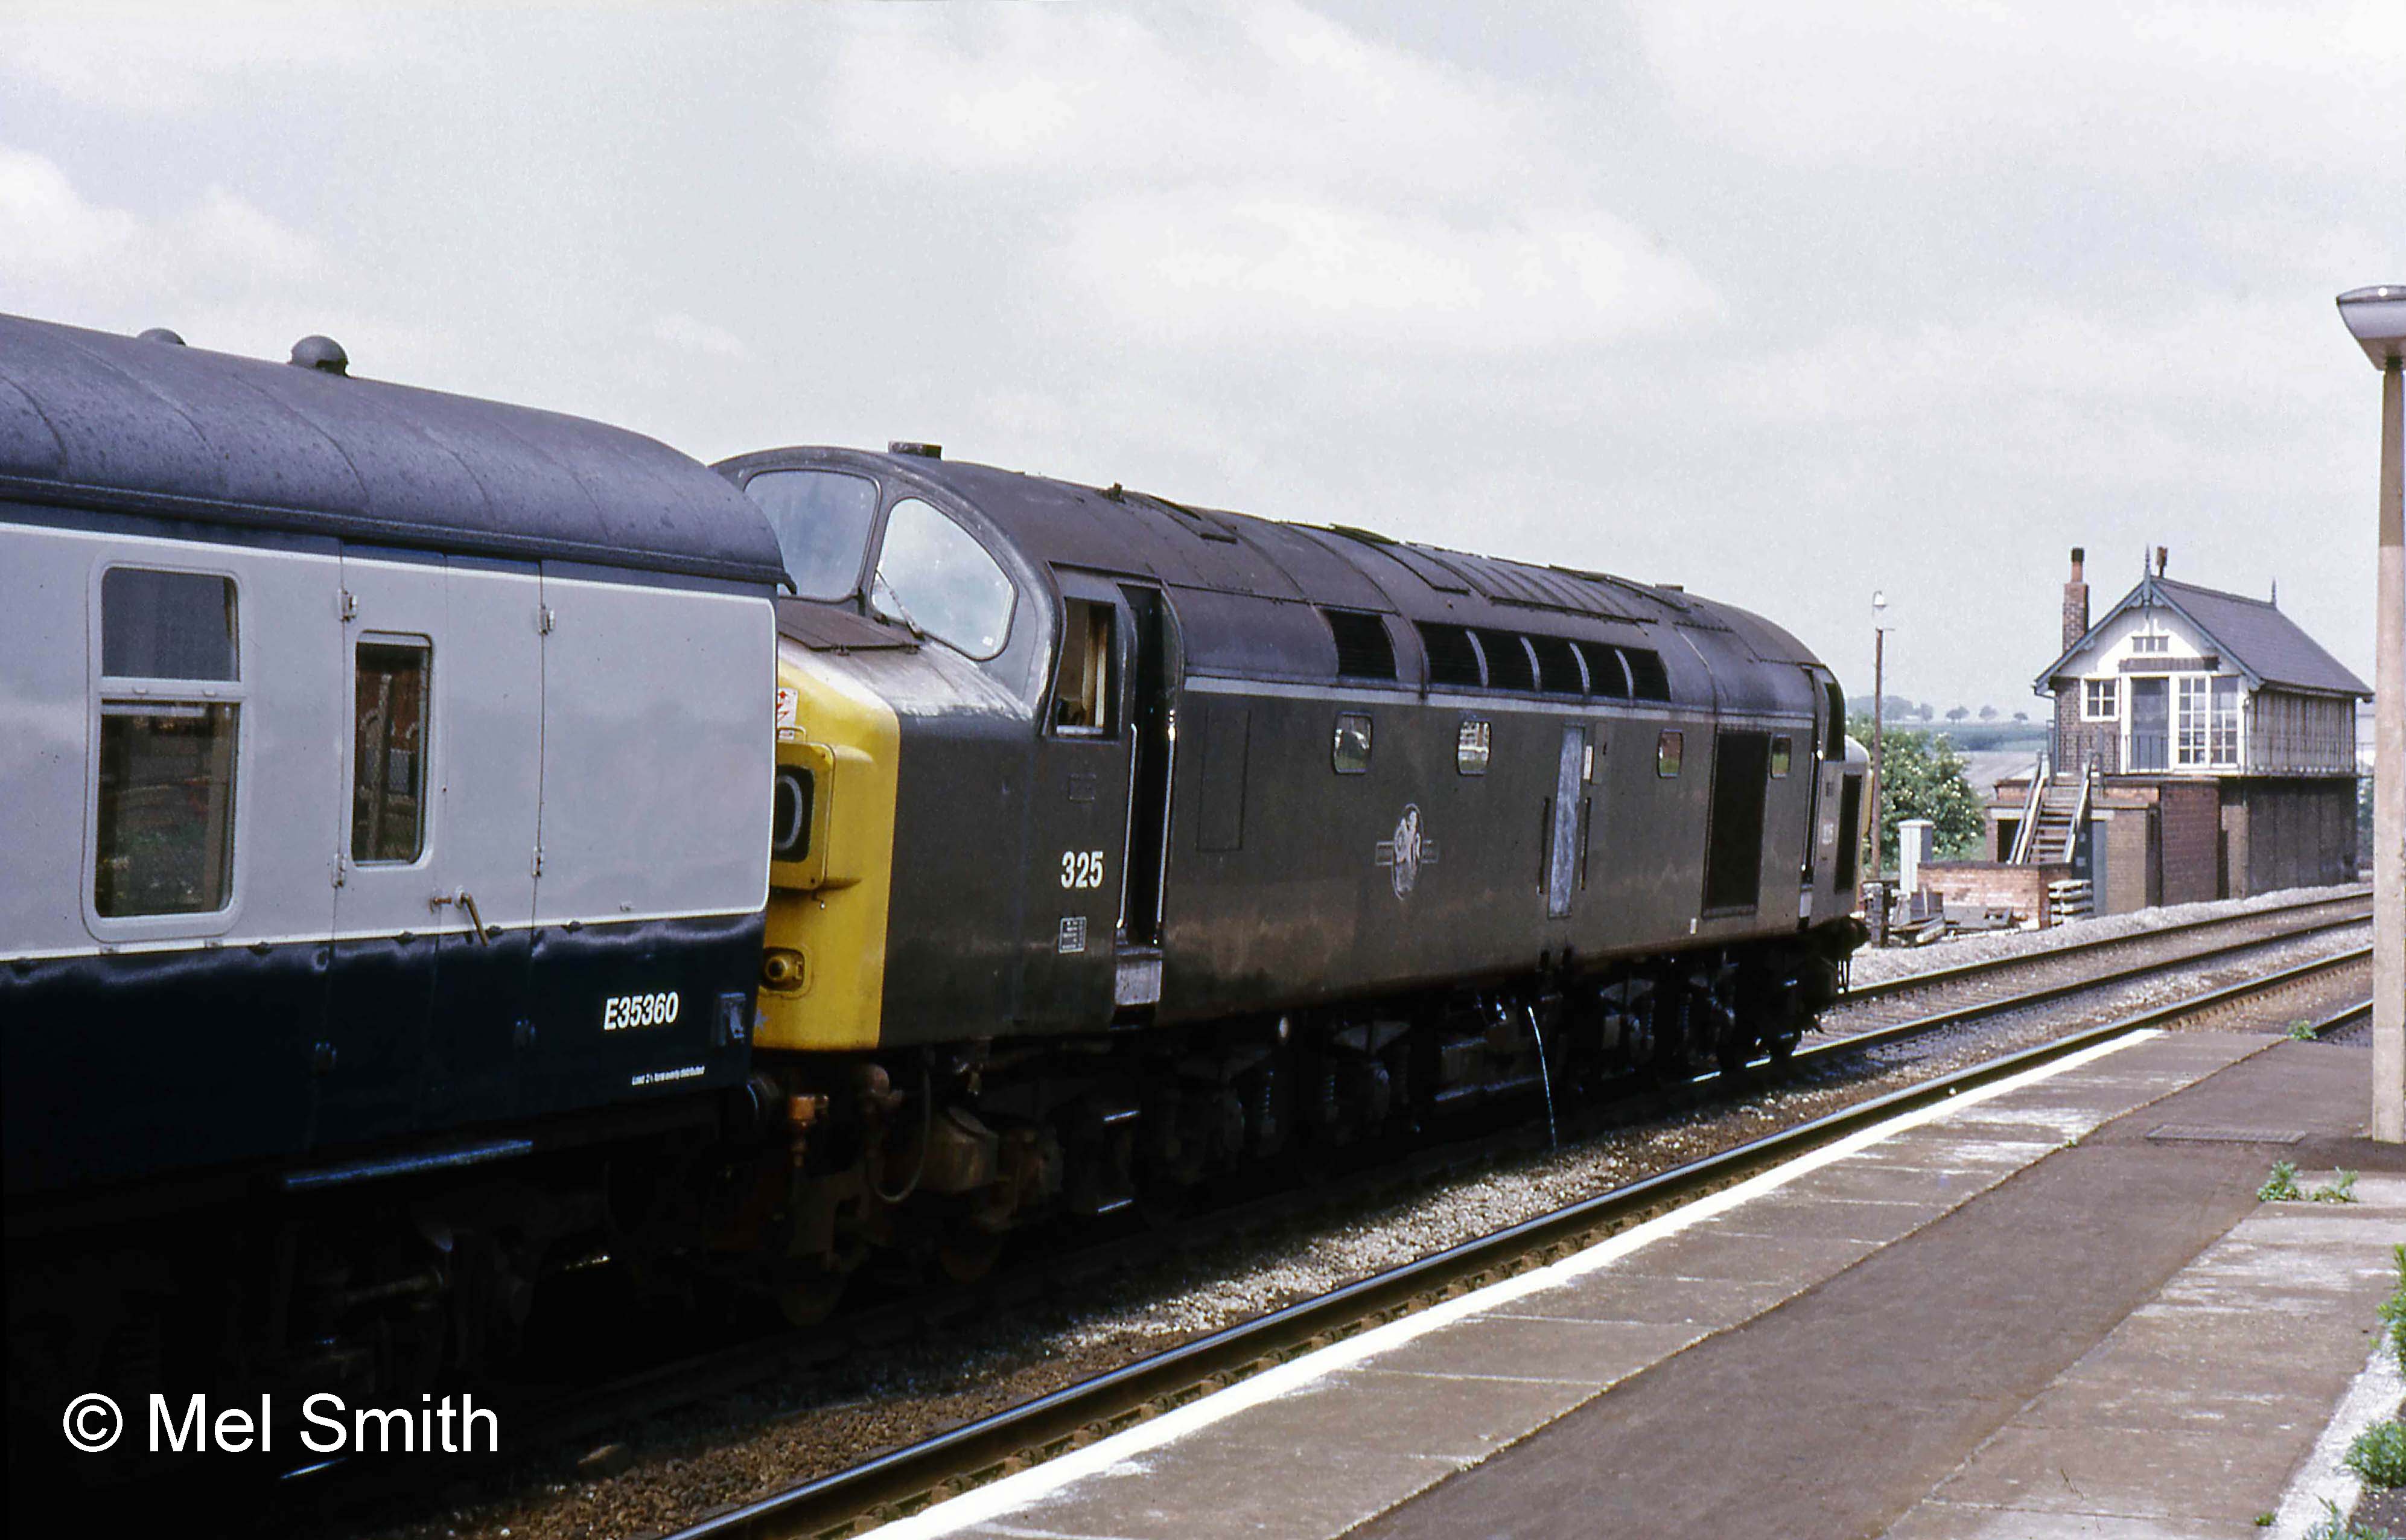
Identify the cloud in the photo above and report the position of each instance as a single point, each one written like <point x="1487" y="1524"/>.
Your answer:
<point x="161" y="59"/>
<point x="1260" y="178"/>
<point x="692" y="334"/>
<point x="72" y="257"/>
<point x="2155" y="87"/>
<point x="1207" y="264"/>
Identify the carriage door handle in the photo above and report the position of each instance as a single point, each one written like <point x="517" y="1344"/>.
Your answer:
<point x="467" y="901"/>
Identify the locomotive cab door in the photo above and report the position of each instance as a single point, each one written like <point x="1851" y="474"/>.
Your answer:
<point x="1088" y="773"/>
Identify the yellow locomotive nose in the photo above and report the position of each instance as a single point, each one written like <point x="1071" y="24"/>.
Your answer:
<point x="830" y="861"/>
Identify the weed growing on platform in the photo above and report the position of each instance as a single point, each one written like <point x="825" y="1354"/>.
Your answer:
<point x="2302" y="1031"/>
<point x="2330" y="1526"/>
<point x="2379" y="1454"/>
<point x="2281" y="1185"/>
<point x="2393" y="1309"/>
<point x="2340" y="1189"/>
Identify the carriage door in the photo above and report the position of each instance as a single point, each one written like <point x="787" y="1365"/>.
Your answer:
<point x="1152" y="707"/>
<point x="1566" y="824"/>
<point x="382" y="967"/>
<point x="1080" y="809"/>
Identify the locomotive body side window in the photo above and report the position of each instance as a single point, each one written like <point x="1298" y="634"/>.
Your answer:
<point x="389" y="708"/>
<point x="1783" y="749"/>
<point x="1474" y="745"/>
<point x="821" y="519"/>
<point x="1349" y="755"/>
<point x="933" y="574"/>
<point x="1082" y="694"/>
<point x="169" y="721"/>
<point x="1667" y="751"/>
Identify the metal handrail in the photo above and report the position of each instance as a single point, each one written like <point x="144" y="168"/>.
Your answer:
<point x="2026" y="836"/>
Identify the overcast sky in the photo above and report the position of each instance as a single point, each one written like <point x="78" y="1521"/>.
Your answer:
<point x="1783" y="302"/>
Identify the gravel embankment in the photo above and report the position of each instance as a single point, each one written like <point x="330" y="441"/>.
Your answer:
<point x="1875" y="966"/>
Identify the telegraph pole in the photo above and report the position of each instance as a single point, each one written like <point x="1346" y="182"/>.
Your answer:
<point x="1880" y="713"/>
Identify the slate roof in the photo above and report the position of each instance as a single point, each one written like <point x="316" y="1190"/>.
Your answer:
<point x="2251" y="634"/>
<point x="93" y="420"/>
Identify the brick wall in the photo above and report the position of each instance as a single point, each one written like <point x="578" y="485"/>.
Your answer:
<point x="1994" y="885"/>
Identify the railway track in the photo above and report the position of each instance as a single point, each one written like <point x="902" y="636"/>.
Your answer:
<point x="906" y="1479"/>
<point x="583" y="1410"/>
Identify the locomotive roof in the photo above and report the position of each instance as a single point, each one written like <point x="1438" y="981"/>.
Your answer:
<point x="1214" y="551"/>
<point x="92" y="419"/>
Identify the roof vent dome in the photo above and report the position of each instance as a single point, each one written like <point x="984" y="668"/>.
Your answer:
<point x="323" y="354"/>
<point x="160" y="334"/>
<point x="906" y="447"/>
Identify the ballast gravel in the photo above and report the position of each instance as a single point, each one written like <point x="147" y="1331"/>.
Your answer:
<point x="706" y="1458"/>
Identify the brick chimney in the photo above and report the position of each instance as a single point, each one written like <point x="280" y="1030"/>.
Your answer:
<point x="2076" y="602"/>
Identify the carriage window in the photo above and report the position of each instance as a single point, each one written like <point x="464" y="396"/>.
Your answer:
<point x="1352" y="753"/>
<point x="1783" y="749"/>
<point x="163" y="816"/>
<point x="933" y="574"/>
<point x="1081" y="696"/>
<point x="1667" y="752"/>
<point x="388" y="752"/>
<point x="821" y="519"/>
<point x="158" y="625"/>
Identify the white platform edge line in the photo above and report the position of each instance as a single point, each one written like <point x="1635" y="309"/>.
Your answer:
<point x="2321" y="1478"/>
<point x="992" y="1500"/>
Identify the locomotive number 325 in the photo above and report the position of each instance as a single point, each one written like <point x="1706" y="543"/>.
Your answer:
<point x="1081" y="868"/>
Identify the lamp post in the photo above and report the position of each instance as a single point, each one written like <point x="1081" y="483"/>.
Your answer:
<point x="1880" y="713"/>
<point x="2377" y="319"/>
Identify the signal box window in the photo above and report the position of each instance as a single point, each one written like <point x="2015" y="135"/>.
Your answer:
<point x="1081" y="696"/>
<point x="1350" y="754"/>
<point x="163" y="819"/>
<point x="388" y="752"/>
<point x="2098" y="698"/>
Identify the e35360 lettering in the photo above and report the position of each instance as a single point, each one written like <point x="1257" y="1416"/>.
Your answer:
<point x="620" y="1013"/>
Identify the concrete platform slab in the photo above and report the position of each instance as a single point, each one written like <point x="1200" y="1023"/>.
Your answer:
<point x="1898" y="1334"/>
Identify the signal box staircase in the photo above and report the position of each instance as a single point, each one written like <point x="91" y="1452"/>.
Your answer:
<point x="2054" y="818"/>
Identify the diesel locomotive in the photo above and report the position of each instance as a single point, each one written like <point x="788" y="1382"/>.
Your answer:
<point x="448" y="841"/>
<point x="1118" y="843"/>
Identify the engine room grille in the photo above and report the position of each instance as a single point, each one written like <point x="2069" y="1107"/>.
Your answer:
<point x="1363" y="649"/>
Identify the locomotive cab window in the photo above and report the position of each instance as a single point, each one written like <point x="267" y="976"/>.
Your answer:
<point x="1783" y="749"/>
<point x="1350" y="752"/>
<point x="169" y="735"/>
<point x="934" y="575"/>
<point x="821" y="519"/>
<point x="1081" y="693"/>
<point x="388" y="703"/>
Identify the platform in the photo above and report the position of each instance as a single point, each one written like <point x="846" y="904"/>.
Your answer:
<point x="2049" y="1308"/>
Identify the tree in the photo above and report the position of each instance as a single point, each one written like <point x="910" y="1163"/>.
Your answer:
<point x="1957" y="713"/>
<point x="1922" y="711"/>
<point x="1923" y="778"/>
<point x="2021" y="716"/>
<point x="1988" y="713"/>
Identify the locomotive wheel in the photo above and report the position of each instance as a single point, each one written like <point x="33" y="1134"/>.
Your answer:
<point x="810" y="1295"/>
<point x="1781" y="1046"/>
<point x="968" y="1253"/>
